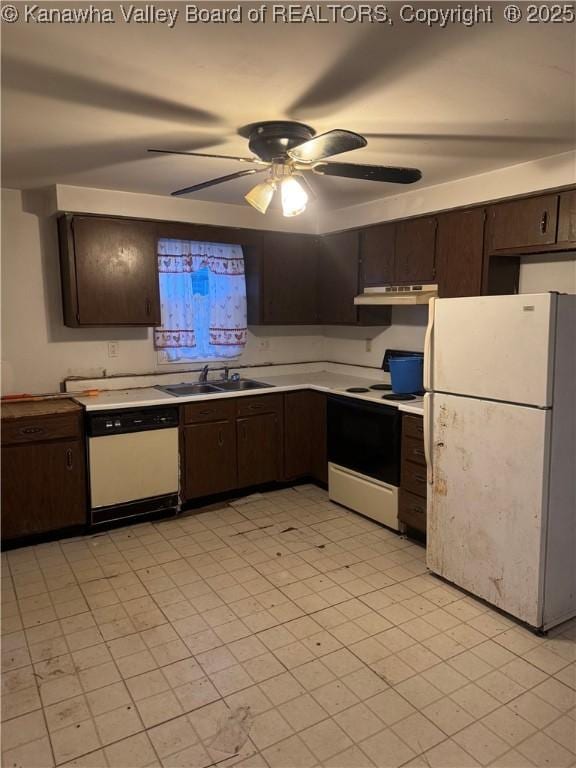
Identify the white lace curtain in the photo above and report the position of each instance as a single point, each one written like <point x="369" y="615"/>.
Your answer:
<point x="216" y="311"/>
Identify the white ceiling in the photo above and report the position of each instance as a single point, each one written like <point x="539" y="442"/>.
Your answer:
<point x="81" y="103"/>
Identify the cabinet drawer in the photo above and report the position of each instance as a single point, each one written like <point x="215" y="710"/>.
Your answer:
<point x="414" y="478"/>
<point x="248" y="406"/>
<point x="212" y="410"/>
<point x="412" y="510"/>
<point x="413" y="450"/>
<point x="28" y="430"/>
<point x="413" y="426"/>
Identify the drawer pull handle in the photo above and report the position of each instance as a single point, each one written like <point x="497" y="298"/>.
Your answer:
<point x="32" y="431"/>
<point x="220" y="439"/>
<point x="419" y="510"/>
<point x="418" y="451"/>
<point x="255" y="406"/>
<point x="69" y="459"/>
<point x="207" y="412"/>
<point x="544" y="223"/>
<point x="420" y="430"/>
<point x="148" y="306"/>
<point x="420" y="478"/>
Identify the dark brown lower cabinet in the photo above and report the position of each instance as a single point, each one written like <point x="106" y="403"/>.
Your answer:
<point x="43" y="480"/>
<point x="305" y="436"/>
<point x="210" y="466"/>
<point x="413" y="485"/>
<point x="259" y="449"/>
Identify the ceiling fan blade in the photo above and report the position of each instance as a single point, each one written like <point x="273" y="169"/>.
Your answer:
<point x="386" y="173"/>
<point x="219" y="180"/>
<point x="326" y="145"/>
<point x="203" y="154"/>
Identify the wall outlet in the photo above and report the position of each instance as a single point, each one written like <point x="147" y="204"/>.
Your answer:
<point x="113" y="349"/>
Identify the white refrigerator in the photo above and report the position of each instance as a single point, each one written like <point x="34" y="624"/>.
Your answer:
<point x="500" y="441"/>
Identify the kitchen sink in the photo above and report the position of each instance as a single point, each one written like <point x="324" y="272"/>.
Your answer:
<point x="185" y="390"/>
<point x="230" y="385"/>
<point x="241" y="385"/>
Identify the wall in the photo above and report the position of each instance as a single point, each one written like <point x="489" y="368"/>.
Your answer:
<point x="548" y="272"/>
<point x="521" y="179"/>
<point x="38" y="351"/>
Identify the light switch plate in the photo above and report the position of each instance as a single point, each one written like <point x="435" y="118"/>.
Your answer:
<point x="113" y="349"/>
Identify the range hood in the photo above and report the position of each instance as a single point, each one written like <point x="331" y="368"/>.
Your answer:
<point x="396" y="294"/>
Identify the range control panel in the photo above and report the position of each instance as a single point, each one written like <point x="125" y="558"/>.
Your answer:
<point x="131" y="420"/>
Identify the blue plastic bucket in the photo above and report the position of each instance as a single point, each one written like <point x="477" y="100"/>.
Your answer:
<point x="406" y="374"/>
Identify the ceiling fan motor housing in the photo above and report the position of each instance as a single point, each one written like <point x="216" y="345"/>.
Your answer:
<point x="271" y="140"/>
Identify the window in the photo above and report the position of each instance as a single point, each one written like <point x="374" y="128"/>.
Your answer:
<point x="203" y="301"/>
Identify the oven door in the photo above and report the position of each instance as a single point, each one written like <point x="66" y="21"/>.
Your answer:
<point x="365" y="437"/>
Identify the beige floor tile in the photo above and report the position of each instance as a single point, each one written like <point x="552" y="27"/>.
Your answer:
<point x="509" y="725"/>
<point x="173" y="736"/>
<point x="359" y="722"/>
<point x="290" y="753"/>
<point x="563" y="731"/>
<point x="418" y="732"/>
<point x="484" y="745"/>
<point x="22" y="730"/>
<point x="32" y="754"/>
<point x="159" y="708"/>
<point x="302" y="712"/>
<point x="448" y="716"/>
<point x="544" y="751"/>
<point x="448" y="754"/>
<point x="118" y="724"/>
<point x="269" y="728"/>
<point x="326" y="739"/>
<point x="386" y="749"/>
<point x="74" y="740"/>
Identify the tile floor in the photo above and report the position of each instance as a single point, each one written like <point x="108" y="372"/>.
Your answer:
<point x="279" y="631"/>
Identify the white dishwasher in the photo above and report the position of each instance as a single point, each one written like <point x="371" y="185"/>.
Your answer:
<point x="133" y="462"/>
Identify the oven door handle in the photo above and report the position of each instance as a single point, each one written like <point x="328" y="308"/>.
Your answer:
<point x="428" y="437"/>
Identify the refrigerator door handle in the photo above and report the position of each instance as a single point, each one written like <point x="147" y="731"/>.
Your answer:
<point x="428" y="437"/>
<point x="428" y="346"/>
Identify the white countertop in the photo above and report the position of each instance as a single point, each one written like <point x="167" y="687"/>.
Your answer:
<point x="323" y="381"/>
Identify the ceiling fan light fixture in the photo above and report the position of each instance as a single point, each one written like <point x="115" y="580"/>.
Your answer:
<point x="294" y="196"/>
<point x="261" y="195"/>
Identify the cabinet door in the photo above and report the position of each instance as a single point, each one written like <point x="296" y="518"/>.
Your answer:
<point x="298" y="434"/>
<point x="338" y="278"/>
<point x="460" y="247"/>
<point x="290" y="264"/>
<point x="377" y="255"/>
<point x="209" y="458"/>
<point x="567" y="218"/>
<point x="43" y="487"/>
<point x="259" y="449"/>
<point x="523" y="223"/>
<point x="116" y="272"/>
<point x="416" y="250"/>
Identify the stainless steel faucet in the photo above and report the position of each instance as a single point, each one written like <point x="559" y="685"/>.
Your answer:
<point x="203" y="378"/>
<point x="226" y="373"/>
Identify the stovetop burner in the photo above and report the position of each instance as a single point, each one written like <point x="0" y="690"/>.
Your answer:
<point x="394" y="396"/>
<point x="357" y="390"/>
<point x="381" y="386"/>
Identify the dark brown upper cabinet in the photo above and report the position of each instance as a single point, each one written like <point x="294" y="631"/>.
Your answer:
<point x="567" y="219"/>
<point x="459" y="253"/>
<point x="529" y="223"/>
<point x="338" y="278"/>
<point x="109" y="271"/>
<point x="377" y="253"/>
<point x="282" y="280"/>
<point x="415" y="258"/>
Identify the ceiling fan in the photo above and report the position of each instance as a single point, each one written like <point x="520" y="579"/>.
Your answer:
<point x="287" y="151"/>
